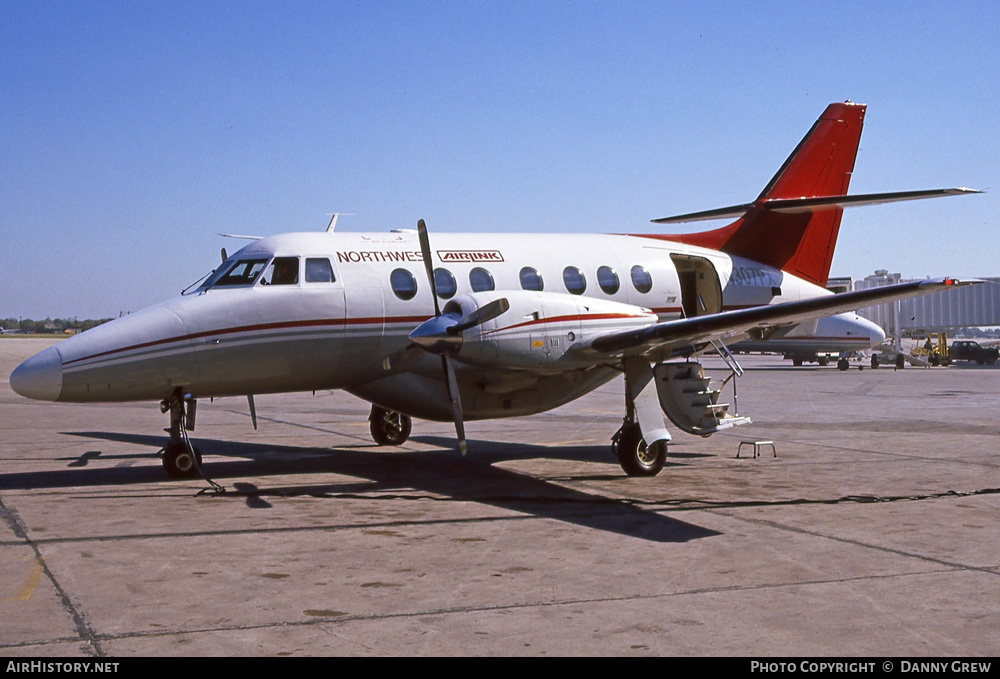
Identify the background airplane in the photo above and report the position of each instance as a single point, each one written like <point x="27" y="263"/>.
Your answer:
<point x="506" y="325"/>
<point x="839" y="335"/>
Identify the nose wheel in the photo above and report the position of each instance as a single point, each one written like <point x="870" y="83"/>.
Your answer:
<point x="181" y="460"/>
<point x="178" y="461"/>
<point x="388" y="427"/>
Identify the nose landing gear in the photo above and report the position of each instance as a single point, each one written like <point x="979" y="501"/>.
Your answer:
<point x="181" y="459"/>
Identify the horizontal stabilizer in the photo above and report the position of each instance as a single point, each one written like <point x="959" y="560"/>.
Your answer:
<point x="831" y="202"/>
<point x="815" y="204"/>
<point x="717" y="213"/>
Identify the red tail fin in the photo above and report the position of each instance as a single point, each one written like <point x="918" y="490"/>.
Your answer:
<point x="800" y="242"/>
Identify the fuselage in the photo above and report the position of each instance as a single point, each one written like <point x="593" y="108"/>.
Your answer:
<point x="317" y="311"/>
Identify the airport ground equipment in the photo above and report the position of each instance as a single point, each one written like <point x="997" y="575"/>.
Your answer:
<point x="968" y="350"/>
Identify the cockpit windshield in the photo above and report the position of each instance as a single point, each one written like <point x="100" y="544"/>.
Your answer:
<point x="283" y="271"/>
<point x="242" y="272"/>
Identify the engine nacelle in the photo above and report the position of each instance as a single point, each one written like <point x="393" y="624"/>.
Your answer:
<point x="540" y="330"/>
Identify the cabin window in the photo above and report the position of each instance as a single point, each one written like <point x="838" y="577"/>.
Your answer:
<point x="531" y="279"/>
<point x="243" y="272"/>
<point x="641" y="279"/>
<point x="574" y="279"/>
<point x="481" y="280"/>
<point x="318" y="270"/>
<point x="283" y="271"/>
<point x="607" y="279"/>
<point x="445" y="283"/>
<point x="403" y="283"/>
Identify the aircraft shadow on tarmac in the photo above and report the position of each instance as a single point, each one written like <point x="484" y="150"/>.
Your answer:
<point x="474" y="478"/>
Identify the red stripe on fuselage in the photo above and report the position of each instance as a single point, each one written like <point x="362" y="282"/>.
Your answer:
<point x="319" y="323"/>
<point x="568" y="317"/>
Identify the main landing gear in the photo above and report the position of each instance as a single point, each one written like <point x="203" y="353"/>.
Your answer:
<point x="181" y="460"/>
<point x="388" y="427"/>
<point x="635" y="457"/>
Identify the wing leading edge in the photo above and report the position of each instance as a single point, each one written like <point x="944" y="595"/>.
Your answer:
<point x="758" y="321"/>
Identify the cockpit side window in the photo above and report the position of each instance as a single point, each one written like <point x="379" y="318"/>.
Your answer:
<point x="243" y="272"/>
<point x="318" y="270"/>
<point x="283" y="271"/>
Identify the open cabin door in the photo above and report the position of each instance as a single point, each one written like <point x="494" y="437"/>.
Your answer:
<point x="701" y="291"/>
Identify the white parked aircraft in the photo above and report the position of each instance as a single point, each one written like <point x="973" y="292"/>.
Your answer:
<point x="838" y="335"/>
<point x="529" y="321"/>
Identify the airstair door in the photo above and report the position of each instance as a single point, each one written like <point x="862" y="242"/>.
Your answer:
<point x="701" y="290"/>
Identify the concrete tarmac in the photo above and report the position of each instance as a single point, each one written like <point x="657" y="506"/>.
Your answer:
<point x="873" y="531"/>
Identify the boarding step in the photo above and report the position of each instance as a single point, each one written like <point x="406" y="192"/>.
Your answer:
<point x="687" y="398"/>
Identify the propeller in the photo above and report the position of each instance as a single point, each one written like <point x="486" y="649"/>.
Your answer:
<point x="443" y="333"/>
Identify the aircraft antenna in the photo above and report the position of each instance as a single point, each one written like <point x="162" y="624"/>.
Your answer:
<point x="333" y="219"/>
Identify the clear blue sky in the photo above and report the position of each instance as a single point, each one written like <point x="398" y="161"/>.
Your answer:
<point x="132" y="132"/>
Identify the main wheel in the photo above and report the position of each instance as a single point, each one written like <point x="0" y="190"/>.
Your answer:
<point x="388" y="427"/>
<point x="843" y="364"/>
<point x="178" y="462"/>
<point x="635" y="457"/>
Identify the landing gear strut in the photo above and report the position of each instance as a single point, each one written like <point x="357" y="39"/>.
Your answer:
<point x="388" y="427"/>
<point x="181" y="460"/>
<point x="635" y="457"/>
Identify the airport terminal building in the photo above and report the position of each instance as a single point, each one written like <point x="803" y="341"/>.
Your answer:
<point x="968" y="306"/>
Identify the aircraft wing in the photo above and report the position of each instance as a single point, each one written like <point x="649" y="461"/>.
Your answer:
<point x="760" y="321"/>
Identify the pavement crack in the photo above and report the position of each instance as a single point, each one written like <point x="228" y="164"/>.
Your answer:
<point x="687" y="504"/>
<point x="86" y="634"/>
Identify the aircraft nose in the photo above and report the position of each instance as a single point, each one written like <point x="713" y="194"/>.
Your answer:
<point x="876" y="335"/>
<point x="40" y="377"/>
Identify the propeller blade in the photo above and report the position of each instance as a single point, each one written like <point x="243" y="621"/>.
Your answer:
<point x="456" y="403"/>
<point x="487" y="312"/>
<point x="428" y="334"/>
<point x="425" y="251"/>
<point x="253" y="411"/>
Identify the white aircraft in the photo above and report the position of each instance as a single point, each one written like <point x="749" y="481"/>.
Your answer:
<point x="838" y="335"/>
<point x="529" y="321"/>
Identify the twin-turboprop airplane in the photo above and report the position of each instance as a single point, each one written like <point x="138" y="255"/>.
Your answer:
<point x="480" y="326"/>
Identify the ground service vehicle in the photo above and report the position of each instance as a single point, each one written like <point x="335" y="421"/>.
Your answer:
<point x="967" y="350"/>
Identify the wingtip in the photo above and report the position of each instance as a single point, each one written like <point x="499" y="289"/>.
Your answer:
<point x="952" y="282"/>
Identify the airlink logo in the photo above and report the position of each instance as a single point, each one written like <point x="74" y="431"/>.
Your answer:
<point x="470" y="255"/>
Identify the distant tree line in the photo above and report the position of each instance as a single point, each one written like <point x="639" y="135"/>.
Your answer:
<point x="54" y="326"/>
